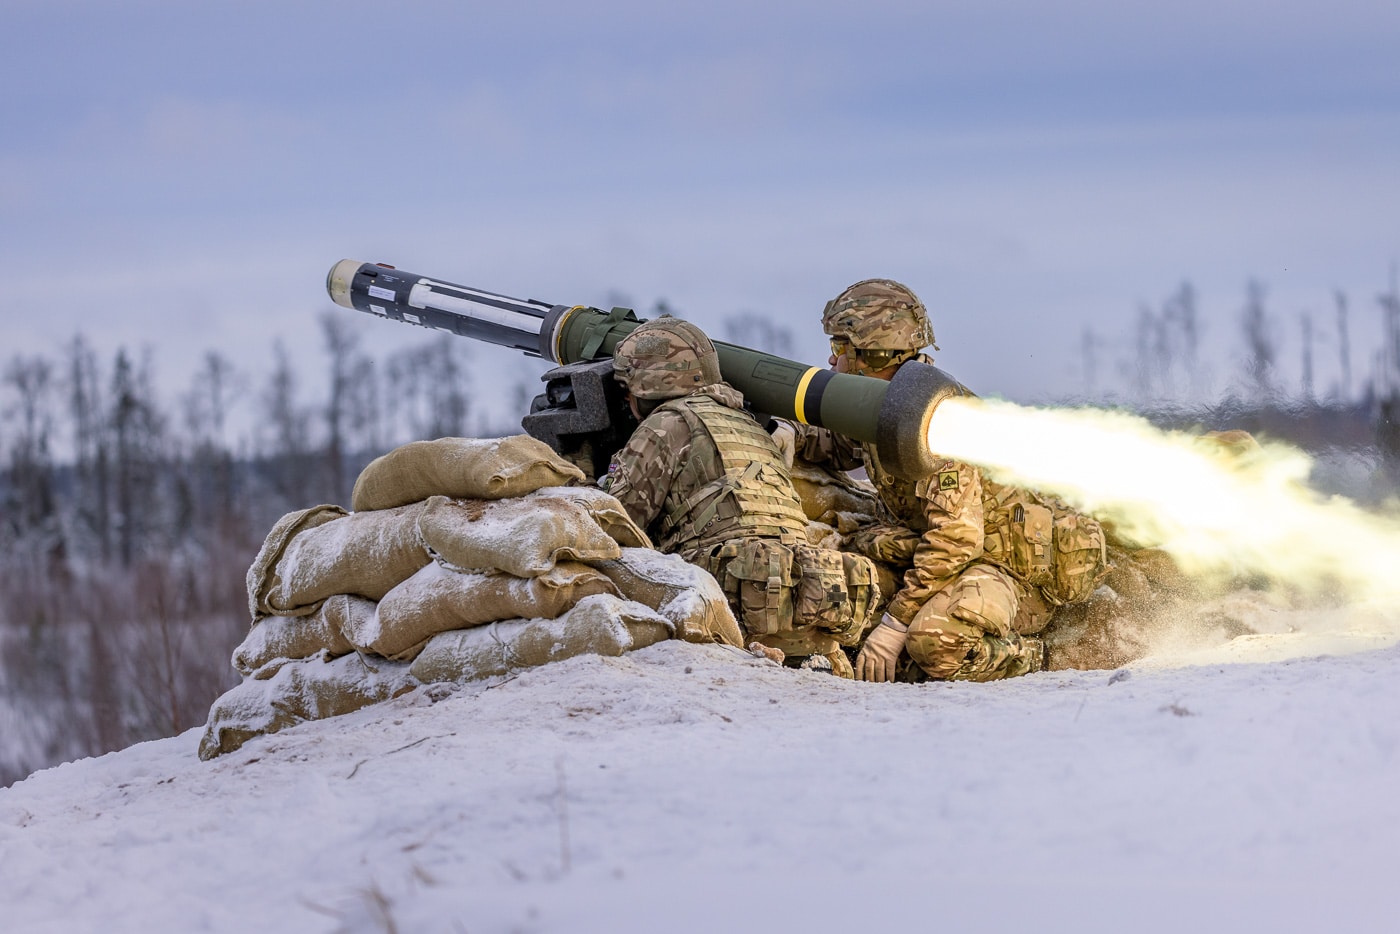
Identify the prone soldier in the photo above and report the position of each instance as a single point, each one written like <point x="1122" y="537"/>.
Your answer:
<point x="984" y="564"/>
<point x="705" y="479"/>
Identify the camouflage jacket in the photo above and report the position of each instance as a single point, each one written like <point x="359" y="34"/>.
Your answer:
<point x="699" y="471"/>
<point x="945" y="510"/>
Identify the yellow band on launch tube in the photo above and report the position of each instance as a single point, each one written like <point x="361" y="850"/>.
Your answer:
<point x="797" y="403"/>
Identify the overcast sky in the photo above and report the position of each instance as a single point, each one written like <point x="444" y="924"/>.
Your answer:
<point x="182" y="175"/>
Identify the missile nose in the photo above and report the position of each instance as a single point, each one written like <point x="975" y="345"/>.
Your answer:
<point x="338" y="281"/>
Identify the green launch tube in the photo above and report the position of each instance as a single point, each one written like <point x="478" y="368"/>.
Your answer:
<point x="893" y="415"/>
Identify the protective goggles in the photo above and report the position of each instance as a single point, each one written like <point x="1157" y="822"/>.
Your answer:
<point x="872" y="359"/>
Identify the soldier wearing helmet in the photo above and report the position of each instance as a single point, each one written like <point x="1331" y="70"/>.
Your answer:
<point x="874" y="326"/>
<point x="704" y="478"/>
<point x="958" y="613"/>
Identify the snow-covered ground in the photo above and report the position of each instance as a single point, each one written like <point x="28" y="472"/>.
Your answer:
<point x="689" y="788"/>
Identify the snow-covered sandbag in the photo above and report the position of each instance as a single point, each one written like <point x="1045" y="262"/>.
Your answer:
<point x="597" y="625"/>
<point x="463" y="468"/>
<point x="262" y="572"/>
<point x="686" y="595"/>
<point x="605" y="510"/>
<point x="438" y="599"/>
<point x="310" y="689"/>
<point x="525" y="536"/>
<point x="292" y="637"/>
<point x="364" y="553"/>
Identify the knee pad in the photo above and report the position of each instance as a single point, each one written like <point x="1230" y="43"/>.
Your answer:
<point x="986" y="598"/>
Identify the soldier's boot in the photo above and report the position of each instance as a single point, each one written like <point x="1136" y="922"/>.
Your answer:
<point x="1035" y="653"/>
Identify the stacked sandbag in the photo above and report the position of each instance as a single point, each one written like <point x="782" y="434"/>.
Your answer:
<point x="295" y="691"/>
<point x="441" y="598"/>
<point x="323" y="551"/>
<point x="275" y="638"/>
<point x="475" y="552"/>
<point x="463" y="468"/>
<point x="601" y="624"/>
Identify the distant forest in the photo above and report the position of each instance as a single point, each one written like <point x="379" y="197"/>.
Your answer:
<point x="127" y="521"/>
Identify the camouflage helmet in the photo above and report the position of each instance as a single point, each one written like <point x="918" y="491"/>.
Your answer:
<point x="879" y="314"/>
<point x="664" y="358"/>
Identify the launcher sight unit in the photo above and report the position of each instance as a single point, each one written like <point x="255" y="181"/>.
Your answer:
<point x="583" y="414"/>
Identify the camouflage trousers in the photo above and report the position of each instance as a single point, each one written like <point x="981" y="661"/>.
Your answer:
<point x="978" y="628"/>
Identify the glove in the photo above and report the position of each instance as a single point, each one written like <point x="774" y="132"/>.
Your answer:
<point x="785" y="437"/>
<point x="876" y="661"/>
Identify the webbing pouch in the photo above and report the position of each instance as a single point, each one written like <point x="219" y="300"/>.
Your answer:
<point x="1032" y="544"/>
<point x="759" y="581"/>
<point x="1081" y="557"/>
<point x="822" y="601"/>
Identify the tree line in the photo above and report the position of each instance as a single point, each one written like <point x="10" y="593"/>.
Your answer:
<point x="127" y="522"/>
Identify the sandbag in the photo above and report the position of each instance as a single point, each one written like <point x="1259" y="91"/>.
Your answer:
<point x="825" y="491"/>
<point x="524" y="537"/>
<point x="597" y="625"/>
<point x="294" y="637"/>
<point x="365" y="553"/>
<point x="310" y="689"/>
<point x="438" y="599"/>
<point x="605" y="509"/>
<point x="262" y="572"/>
<point x="686" y="595"/>
<point x="463" y="468"/>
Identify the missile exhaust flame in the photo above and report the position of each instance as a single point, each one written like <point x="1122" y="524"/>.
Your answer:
<point x="1220" y="513"/>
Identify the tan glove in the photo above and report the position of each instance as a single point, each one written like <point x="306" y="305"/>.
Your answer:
<point x="785" y="437"/>
<point x="877" y="658"/>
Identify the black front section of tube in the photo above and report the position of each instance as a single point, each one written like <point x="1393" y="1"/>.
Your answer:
<point x="901" y="433"/>
<point x="385" y="292"/>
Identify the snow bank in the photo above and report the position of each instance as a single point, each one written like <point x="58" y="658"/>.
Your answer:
<point x="695" y="788"/>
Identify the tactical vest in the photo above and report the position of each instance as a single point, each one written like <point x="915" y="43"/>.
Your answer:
<point x="753" y="497"/>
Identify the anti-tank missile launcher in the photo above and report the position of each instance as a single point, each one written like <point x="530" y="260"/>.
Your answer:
<point x="582" y="413"/>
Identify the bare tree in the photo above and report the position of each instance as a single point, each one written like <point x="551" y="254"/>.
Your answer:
<point x="286" y="432"/>
<point x="1151" y="362"/>
<point x="751" y="329"/>
<point x="30" y="506"/>
<point x="1307" y="385"/>
<point x="213" y="390"/>
<point x="91" y="453"/>
<point x="1390" y="349"/>
<point x="1259" y="339"/>
<point x="428" y="389"/>
<point x="1179" y="314"/>
<point x="341" y="343"/>
<point x="1343" y="343"/>
<point x="137" y="432"/>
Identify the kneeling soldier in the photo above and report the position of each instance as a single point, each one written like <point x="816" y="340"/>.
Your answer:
<point x="708" y="483"/>
<point x="984" y="564"/>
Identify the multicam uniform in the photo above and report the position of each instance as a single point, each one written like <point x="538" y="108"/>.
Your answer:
<point x="983" y="564"/>
<point x="966" y="615"/>
<point x="709" y="484"/>
<point x="701" y="471"/>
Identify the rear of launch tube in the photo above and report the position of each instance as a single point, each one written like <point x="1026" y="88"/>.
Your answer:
<point x="893" y="415"/>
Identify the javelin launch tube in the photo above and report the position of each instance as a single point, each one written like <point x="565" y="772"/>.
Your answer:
<point x="893" y="415"/>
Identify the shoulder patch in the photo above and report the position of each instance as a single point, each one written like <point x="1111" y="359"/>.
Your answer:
<point x="947" y="480"/>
